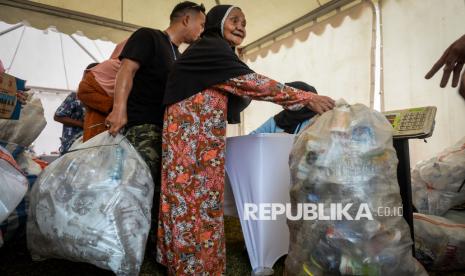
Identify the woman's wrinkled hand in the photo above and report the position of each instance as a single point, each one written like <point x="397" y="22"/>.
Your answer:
<point x="320" y="104"/>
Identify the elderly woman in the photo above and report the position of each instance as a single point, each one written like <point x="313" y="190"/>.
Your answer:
<point x="203" y="90"/>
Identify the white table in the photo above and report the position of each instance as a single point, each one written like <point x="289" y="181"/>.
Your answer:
<point x="258" y="171"/>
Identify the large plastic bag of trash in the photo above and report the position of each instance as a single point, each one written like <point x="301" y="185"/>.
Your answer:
<point x="77" y="142"/>
<point x="438" y="183"/>
<point x="439" y="242"/>
<point x="14" y="226"/>
<point x="19" y="134"/>
<point x="27" y="164"/>
<point x="93" y="205"/>
<point x="13" y="184"/>
<point x="346" y="159"/>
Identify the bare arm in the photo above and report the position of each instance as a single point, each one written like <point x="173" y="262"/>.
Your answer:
<point x="118" y="117"/>
<point x="68" y="121"/>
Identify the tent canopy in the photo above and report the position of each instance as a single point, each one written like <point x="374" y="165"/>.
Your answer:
<point x="47" y="58"/>
<point x="52" y="63"/>
<point x="264" y="16"/>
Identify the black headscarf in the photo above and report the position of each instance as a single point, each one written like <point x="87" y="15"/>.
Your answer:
<point x="289" y="120"/>
<point x="209" y="61"/>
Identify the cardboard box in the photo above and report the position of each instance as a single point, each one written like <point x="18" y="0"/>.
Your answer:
<point x="7" y="95"/>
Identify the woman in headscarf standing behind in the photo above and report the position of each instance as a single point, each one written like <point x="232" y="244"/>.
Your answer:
<point x="203" y="91"/>
<point x="96" y="92"/>
<point x="290" y="121"/>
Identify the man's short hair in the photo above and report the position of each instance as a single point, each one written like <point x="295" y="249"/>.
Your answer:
<point x="92" y="65"/>
<point x="183" y="7"/>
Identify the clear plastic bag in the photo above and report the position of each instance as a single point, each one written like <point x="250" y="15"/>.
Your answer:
<point x="93" y="205"/>
<point x="346" y="157"/>
<point x="439" y="242"/>
<point x="438" y="183"/>
<point x="24" y="131"/>
<point x="13" y="184"/>
<point x="27" y="164"/>
<point x="29" y="126"/>
<point x="14" y="227"/>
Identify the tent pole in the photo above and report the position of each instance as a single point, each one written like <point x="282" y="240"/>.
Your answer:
<point x="65" y="13"/>
<point x="17" y="48"/>
<point x="12" y="28"/>
<point x="41" y="89"/>
<point x="84" y="49"/>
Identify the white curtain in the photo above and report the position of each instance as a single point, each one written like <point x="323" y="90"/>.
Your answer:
<point x="334" y="56"/>
<point x="415" y="34"/>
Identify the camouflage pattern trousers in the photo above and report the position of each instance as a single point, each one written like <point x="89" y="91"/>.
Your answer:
<point x="147" y="139"/>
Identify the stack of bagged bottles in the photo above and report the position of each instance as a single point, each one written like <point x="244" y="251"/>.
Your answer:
<point x="438" y="183"/>
<point x="93" y="205"/>
<point x="346" y="157"/>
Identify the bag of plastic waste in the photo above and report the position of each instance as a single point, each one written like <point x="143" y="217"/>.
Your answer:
<point x="14" y="226"/>
<point x="16" y="135"/>
<point x="13" y="184"/>
<point x="438" y="183"/>
<point x="439" y="242"/>
<point x="344" y="182"/>
<point x="93" y="205"/>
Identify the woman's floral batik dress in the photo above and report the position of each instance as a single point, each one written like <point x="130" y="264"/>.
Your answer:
<point x="190" y="231"/>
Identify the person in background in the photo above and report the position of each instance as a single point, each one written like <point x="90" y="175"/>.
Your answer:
<point x="96" y="92"/>
<point x="198" y="90"/>
<point x="289" y="121"/>
<point x="452" y="60"/>
<point x="71" y="114"/>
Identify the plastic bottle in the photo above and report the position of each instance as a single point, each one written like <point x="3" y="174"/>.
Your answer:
<point x="354" y="266"/>
<point x="117" y="170"/>
<point x="326" y="258"/>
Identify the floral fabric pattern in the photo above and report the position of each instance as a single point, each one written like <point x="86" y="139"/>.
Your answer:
<point x="190" y="230"/>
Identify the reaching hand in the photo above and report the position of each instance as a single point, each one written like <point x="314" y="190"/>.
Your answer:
<point x="116" y="120"/>
<point x="320" y="104"/>
<point x="452" y="60"/>
<point x="22" y="98"/>
<point x="462" y="86"/>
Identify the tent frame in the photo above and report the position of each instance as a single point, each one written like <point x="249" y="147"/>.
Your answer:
<point x="69" y="14"/>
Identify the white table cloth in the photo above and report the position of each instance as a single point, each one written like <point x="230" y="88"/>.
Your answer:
<point x="258" y="171"/>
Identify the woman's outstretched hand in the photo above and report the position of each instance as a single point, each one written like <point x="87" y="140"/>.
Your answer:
<point x="320" y="104"/>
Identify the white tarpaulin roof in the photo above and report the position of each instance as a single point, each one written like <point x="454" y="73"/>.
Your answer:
<point x="48" y="58"/>
<point x="263" y="16"/>
<point x="52" y="63"/>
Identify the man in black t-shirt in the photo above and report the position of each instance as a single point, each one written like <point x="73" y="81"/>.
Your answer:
<point x="140" y="84"/>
